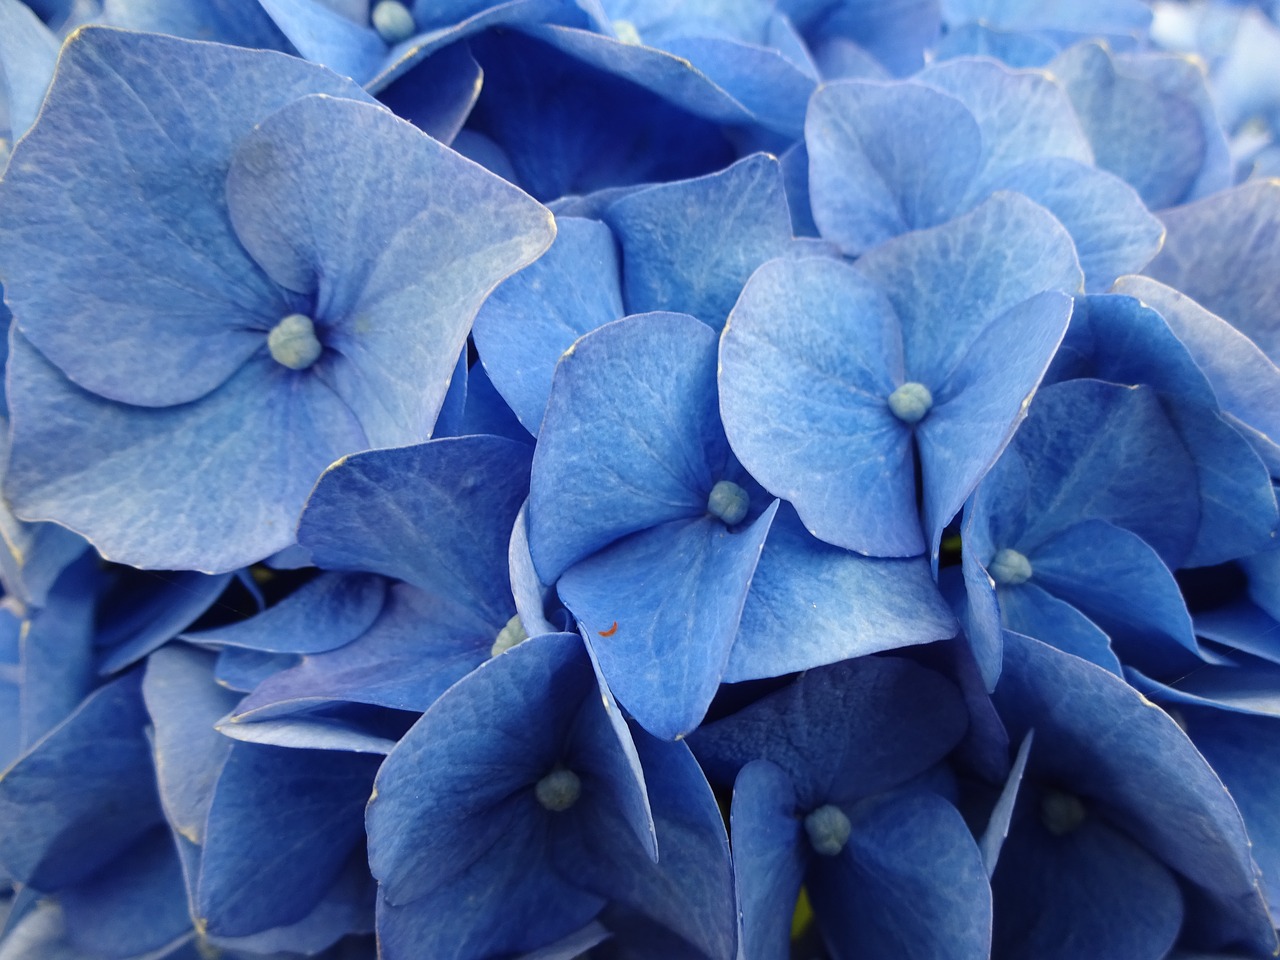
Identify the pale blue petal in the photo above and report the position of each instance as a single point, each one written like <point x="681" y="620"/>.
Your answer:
<point x="535" y="316"/>
<point x="173" y="305"/>
<point x="690" y="246"/>
<point x="1113" y="232"/>
<point x="1220" y="252"/>
<point x="1245" y="379"/>
<point x="184" y="703"/>
<point x="812" y="604"/>
<point x="630" y="438"/>
<point x="1023" y="114"/>
<point x="885" y="159"/>
<point x="949" y="283"/>
<point x="982" y="401"/>
<point x="809" y="357"/>
<point x="396" y="271"/>
<point x="28" y="50"/>
<point x="141" y="484"/>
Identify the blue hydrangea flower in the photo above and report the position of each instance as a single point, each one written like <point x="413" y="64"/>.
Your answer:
<point x="238" y="302"/>
<point x="832" y="375"/>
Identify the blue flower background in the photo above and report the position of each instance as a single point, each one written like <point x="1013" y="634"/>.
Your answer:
<point x="640" y="479"/>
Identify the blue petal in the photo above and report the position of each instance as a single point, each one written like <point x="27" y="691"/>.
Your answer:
<point x="970" y="271"/>
<point x="910" y="883"/>
<point x="1083" y="16"/>
<point x="324" y="35"/>
<point x="630" y="439"/>
<point x="1219" y="252"/>
<point x="139" y="483"/>
<point x="885" y="159"/>
<point x="56" y="648"/>
<point x="854" y="729"/>
<point x="1076" y="467"/>
<point x="808" y="359"/>
<point x="174" y="601"/>
<point x="690" y="246"/>
<point x="434" y="819"/>
<point x="535" y="316"/>
<point x="27" y="54"/>
<point x="239" y="22"/>
<point x="1243" y="751"/>
<point x="982" y="401"/>
<point x="1091" y="892"/>
<point x="322" y="614"/>
<point x="174" y="304"/>
<point x="1150" y="781"/>
<point x="993" y="837"/>
<point x="184" y="703"/>
<point x="637" y="115"/>
<point x="1120" y="583"/>
<point x="438" y="95"/>
<point x="1012" y="48"/>
<point x="1246" y="381"/>
<point x="768" y="84"/>
<point x="689" y="891"/>
<point x="346" y="908"/>
<point x="1150" y="137"/>
<point x="812" y="604"/>
<point x="661" y="608"/>
<point x="532" y="596"/>
<point x="397" y="277"/>
<point x="135" y="906"/>
<point x="369" y="512"/>
<point x="1113" y="232"/>
<point x="769" y="858"/>
<point x="409" y="656"/>
<point x="297" y="848"/>
<point x="1023" y="114"/>
<point x="54" y="836"/>
<point x="1031" y="610"/>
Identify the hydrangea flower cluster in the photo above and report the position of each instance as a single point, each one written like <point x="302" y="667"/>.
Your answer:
<point x="640" y="479"/>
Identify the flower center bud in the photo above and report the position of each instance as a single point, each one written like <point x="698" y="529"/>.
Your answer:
<point x="558" y="790"/>
<point x="393" y="21"/>
<point x="910" y="402"/>
<point x="1008" y="568"/>
<point x="828" y="830"/>
<point x="509" y="636"/>
<point x="728" y="501"/>
<point x="293" y="342"/>
<point x="1061" y="812"/>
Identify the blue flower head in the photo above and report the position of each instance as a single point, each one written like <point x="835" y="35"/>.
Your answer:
<point x="245" y="324"/>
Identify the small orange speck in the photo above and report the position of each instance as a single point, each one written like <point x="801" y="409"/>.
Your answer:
<point x="611" y="631"/>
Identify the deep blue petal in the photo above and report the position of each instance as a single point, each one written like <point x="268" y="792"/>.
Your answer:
<point x="911" y="883"/>
<point x="661" y="608"/>
<point x="437" y="515"/>
<point x="295" y="814"/>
